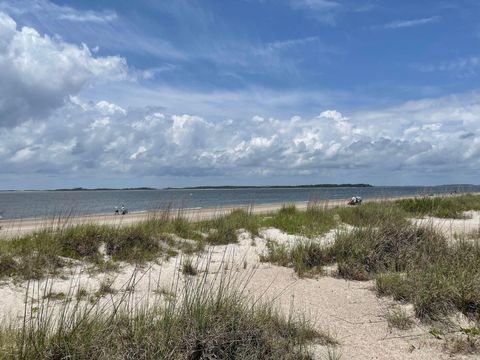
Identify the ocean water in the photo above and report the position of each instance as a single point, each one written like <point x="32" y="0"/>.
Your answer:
<point x="30" y="204"/>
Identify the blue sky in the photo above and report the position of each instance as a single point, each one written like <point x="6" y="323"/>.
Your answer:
<point x="185" y="92"/>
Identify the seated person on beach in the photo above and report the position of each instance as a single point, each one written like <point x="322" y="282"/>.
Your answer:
<point x="116" y="210"/>
<point x="355" y="200"/>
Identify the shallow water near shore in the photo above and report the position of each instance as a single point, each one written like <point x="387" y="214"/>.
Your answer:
<point x="31" y="204"/>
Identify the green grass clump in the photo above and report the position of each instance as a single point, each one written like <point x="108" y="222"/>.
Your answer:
<point x="188" y="268"/>
<point x="223" y="229"/>
<point x="46" y="252"/>
<point x="440" y="282"/>
<point x="305" y="257"/>
<point x="442" y="207"/>
<point x="133" y="244"/>
<point x="8" y="265"/>
<point x="30" y="257"/>
<point x="372" y="214"/>
<point x="83" y="240"/>
<point x="312" y="222"/>
<point x="183" y="228"/>
<point x="364" y="252"/>
<point x="206" y="322"/>
<point x="399" y="319"/>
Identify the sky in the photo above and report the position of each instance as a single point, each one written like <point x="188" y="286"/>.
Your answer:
<point x="117" y="93"/>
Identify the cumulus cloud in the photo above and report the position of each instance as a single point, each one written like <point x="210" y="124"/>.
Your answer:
<point x="434" y="135"/>
<point x="37" y="72"/>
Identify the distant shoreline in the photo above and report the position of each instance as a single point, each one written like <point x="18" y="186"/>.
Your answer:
<point x="242" y="187"/>
<point x="222" y="187"/>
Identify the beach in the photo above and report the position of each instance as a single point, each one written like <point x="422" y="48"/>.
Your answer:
<point x="15" y="227"/>
<point x="347" y="310"/>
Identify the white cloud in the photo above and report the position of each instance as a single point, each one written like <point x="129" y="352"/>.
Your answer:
<point x="37" y="73"/>
<point x="431" y="136"/>
<point x="314" y="4"/>
<point x="463" y="66"/>
<point x="51" y="10"/>
<point x="140" y="151"/>
<point x="291" y="43"/>
<point x="107" y="108"/>
<point x="99" y="123"/>
<point x="411" y="23"/>
<point x="321" y="10"/>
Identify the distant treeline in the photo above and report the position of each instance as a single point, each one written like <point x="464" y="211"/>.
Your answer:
<point x="103" y="189"/>
<point x="272" y="186"/>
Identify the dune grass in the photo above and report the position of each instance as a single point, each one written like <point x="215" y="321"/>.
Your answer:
<point x="48" y="251"/>
<point x="439" y="284"/>
<point x="316" y="220"/>
<point x="443" y="207"/>
<point x="223" y="229"/>
<point x="208" y="320"/>
<point x="307" y="258"/>
<point x="411" y="263"/>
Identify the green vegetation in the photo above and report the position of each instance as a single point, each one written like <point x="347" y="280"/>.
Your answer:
<point x="442" y="280"/>
<point x="399" y="319"/>
<point x="316" y="220"/>
<point x="307" y="258"/>
<point x="188" y="268"/>
<point x="411" y="263"/>
<point x="364" y="252"/>
<point x="48" y="251"/>
<point x="207" y="322"/>
<point x="443" y="207"/>
<point x="223" y="229"/>
<point x="467" y="341"/>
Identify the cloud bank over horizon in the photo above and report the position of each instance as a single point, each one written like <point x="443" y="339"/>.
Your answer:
<point x="74" y="115"/>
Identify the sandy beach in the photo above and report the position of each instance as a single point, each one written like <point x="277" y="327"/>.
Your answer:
<point x="15" y="227"/>
<point x="349" y="310"/>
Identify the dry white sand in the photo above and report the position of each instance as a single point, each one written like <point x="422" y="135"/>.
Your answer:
<point x="349" y="310"/>
<point x="453" y="228"/>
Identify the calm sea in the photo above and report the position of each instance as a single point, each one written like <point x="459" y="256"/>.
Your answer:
<point x="28" y="204"/>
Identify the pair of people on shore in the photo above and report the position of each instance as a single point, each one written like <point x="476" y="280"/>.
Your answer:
<point x="123" y="210"/>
